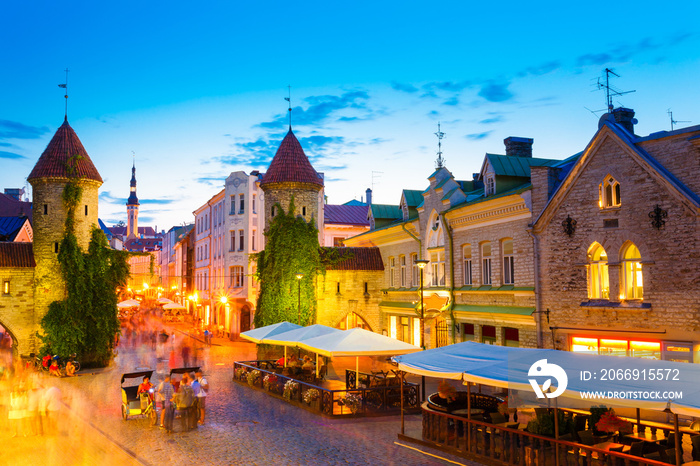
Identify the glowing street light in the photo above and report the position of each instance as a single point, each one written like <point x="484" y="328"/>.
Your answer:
<point x="421" y="263"/>
<point x="299" y="277"/>
<point x="223" y="299"/>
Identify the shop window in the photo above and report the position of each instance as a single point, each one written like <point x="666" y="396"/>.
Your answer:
<point x="488" y="334"/>
<point x="678" y="352"/>
<point x="511" y="336"/>
<point x="508" y="262"/>
<point x="486" y="263"/>
<point x="468" y="332"/>
<point x="645" y="349"/>
<point x="609" y="193"/>
<point x="598" y="284"/>
<point x="467" y="264"/>
<point x="632" y="282"/>
<point x="584" y="345"/>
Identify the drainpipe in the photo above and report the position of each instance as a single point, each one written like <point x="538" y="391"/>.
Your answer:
<point x="538" y="299"/>
<point x="448" y="230"/>
<point x="420" y="243"/>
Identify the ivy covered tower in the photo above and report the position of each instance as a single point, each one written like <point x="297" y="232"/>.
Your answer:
<point x="132" y="208"/>
<point x="64" y="159"/>
<point x="291" y="174"/>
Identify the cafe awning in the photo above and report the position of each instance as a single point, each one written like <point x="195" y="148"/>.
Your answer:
<point x="357" y="342"/>
<point x="256" y="335"/>
<point x="297" y="335"/>
<point x="128" y="303"/>
<point x="600" y="380"/>
<point x="172" y="305"/>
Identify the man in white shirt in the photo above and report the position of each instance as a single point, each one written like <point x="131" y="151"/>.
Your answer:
<point x="202" y="395"/>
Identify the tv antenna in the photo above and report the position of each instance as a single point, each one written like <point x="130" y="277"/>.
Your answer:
<point x="375" y="174"/>
<point x="673" y="122"/>
<point x="289" y="109"/>
<point x="610" y="91"/>
<point x="65" y="86"/>
<point x="440" y="162"/>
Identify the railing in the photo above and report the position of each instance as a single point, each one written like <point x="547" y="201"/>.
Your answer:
<point x="496" y="444"/>
<point x="345" y="402"/>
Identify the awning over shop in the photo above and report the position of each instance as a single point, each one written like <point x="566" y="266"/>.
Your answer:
<point x="257" y="334"/>
<point x="644" y="383"/>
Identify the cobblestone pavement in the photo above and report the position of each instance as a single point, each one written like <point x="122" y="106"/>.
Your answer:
<point x="244" y="426"/>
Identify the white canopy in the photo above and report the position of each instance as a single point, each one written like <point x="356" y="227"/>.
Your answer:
<point x="164" y="301"/>
<point x="256" y="335"/>
<point x="128" y="303"/>
<point x="356" y="342"/>
<point x="294" y="337"/>
<point x="173" y="306"/>
<point x="638" y="382"/>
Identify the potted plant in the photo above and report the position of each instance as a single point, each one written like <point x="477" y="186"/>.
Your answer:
<point x="596" y="413"/>
<point x="240" y="373"/>
<point x="611" y="423"/>
<point x="312" y="396"/>
<point x="291" y="388"/>
<point x="253" y="377"/>
<point x="270" y="382"/>
<point x="353" y="402"/>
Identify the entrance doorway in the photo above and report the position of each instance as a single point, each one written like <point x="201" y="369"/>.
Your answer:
<point x="441" y="336"/>
<point x="245" y="318"/>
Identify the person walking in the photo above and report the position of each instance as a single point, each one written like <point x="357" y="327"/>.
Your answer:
<point x="165" y="394"/>
<point x="202" y="395"/>
<point x="185" y="352"/>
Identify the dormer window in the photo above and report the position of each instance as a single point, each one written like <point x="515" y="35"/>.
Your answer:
<point x="490" y="186"/>
<point x="609" y="193"/>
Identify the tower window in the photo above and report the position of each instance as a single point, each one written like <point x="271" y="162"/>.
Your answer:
<point x="55" y="248"/>
<point x="337" y="287"/>
<point x="366" y="288"/>
<point x="6" y="287"/>
<point x="272" y="211"/>
<point x="303" y="211"/>
<point x="86" y="211"/>
<point x="46" y="209"/>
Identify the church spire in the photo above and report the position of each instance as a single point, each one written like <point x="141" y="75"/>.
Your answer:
<point x="132" y="207"/>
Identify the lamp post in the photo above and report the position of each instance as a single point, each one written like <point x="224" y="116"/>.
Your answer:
<point x="299" y="277"/>
<point x="421" y="263"/>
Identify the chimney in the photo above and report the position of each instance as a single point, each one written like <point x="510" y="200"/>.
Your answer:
<point x="625" y="118"/>
<point x="518" y="147"/>
<point x="369" y="196"/>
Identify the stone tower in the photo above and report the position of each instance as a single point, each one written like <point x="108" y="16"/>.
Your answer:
<point x="291" y="174"/>
<point x="132" y="208"/>
<point x="65" y="158"/>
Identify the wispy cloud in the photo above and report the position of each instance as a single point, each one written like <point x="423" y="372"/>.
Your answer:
<point x="624" y="52"/>
<point x="106" y="196"/>
<point x="477" y="136"/>
<point x="10" y="155"/>
<point x="16" y="130"/>
<point x="403" y="87"/>
<point x="496" y="92"/>
<point x="541" y="69"/>
<point x="492" y="119"/>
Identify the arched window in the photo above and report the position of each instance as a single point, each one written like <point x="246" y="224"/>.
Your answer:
<point x="598" y="284"/>
<point x="609" y="193"/>
<point x="632" y="282"/>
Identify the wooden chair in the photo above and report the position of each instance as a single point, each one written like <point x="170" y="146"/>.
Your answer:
<point x="586" y="437"/>
<point x="695" y="442"/>
<point x="636" y="449"/>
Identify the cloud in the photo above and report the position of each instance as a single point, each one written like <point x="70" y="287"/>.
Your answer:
<point x="447" y="86"/>
<point x="478" y="136"/>
<point x="16" y="130"/>
<point x="215" y="180"/>
<point x="492" y="119"/>
<point x="452" y="101"/>
<point x="403" y="87"/>
<point x="106" y="196"/>
<point x="624" y="52"/>
<point x="541" y="69"/>
<point x="320" y="109"/>
<point x="495" y="92"/>
<point x="10" y="155"/>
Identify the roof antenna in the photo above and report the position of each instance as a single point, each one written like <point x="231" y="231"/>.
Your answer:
<point x="375" y="174"/>
<point x="673" y="122"/>
<point x="65" y="86"/>
<point x="289" y="99"/>
<point x="440" y="162"/>
<point x="610" y="91"/>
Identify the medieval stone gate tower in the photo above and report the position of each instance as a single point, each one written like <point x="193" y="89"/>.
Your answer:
<point x="64" y="159"/>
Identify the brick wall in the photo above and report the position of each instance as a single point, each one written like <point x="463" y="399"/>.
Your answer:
<point x="17" y="307"/>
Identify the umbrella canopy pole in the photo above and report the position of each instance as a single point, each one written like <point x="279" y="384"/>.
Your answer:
<point x="639" y="422"/>
<point x="357" y="372"/>
<point x="285" y="357"/>
<point x="317" y="365"/>
<point x="677" y="438"/>
<point x="556" y="431"/>
<point x="402" y="428"/>
<point x="469" y="417"/>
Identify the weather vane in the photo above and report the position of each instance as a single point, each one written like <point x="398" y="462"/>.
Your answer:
<point x="440" y="162"/>
<point x="289" y="100"/>
<point x="65" y="86"/>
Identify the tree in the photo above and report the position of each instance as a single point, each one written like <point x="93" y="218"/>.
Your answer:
<point x="291" y="248"/>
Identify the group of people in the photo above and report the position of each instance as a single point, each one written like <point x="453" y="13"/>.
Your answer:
<point x="188" y="396"/>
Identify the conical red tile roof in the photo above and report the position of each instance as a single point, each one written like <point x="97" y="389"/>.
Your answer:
<point x="290" y="164"/>
<point x="55" y="163"/>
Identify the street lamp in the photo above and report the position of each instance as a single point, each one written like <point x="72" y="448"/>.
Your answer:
<point x="299" y="277"/>
<point x="421" y="263"/>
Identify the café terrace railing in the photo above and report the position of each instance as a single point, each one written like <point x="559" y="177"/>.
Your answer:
<point x="349" y="401"/>
<point x="497" y="444"/>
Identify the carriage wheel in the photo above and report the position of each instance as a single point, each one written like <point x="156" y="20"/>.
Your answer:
<point x="125" y="413"/>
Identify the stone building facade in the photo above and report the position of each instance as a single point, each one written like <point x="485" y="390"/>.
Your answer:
<point x="617" y="244"/>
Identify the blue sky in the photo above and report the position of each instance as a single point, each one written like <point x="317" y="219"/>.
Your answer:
<point x="197" y="91"/>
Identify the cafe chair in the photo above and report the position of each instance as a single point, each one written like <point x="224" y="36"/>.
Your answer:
<point x="669" y="454"/>
<point x="497" y="418"/>
<point x="695" y="442"/>
<point x="586" y="437"/>
<point x="636" y="449"/>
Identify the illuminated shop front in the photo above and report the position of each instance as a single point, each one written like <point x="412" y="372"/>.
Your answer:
<point x="648" y="349"/>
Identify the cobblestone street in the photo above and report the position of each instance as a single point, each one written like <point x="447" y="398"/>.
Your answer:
<point x="243" y="426"/>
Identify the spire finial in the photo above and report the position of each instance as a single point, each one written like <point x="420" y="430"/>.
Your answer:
<point x="440" y="162"/>
<point x="65" y="86"/>
<point x="289" y="109"/>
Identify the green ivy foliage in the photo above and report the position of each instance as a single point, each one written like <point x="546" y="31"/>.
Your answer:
<point x="291" y="247"/>
<point x="85" y="322"/>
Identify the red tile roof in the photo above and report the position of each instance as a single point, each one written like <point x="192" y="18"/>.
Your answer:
<point x="17" y="255"/>
<point x="290" y="164"/>
<point x="353" y="258"/>
<point x="143" y="244"/>
<point x="345" y="214"/>
<point x="147" y="232"/>
<point x="56" y="159"/>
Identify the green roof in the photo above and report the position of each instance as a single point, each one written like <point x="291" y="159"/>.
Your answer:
<point x="413" y="197"/>
<point x="507" y="165"/>
<point x="517" y="190"/>
<point x="386" y="211"/>
<point x="442" y="183"/>
<point x="521" y="311"/>
<point x="448" y="195"/>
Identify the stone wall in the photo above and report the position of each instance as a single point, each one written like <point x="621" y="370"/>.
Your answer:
<point x="340" y="292"/>
<point x="305" y="198"/>
<point x="17" y="307"/>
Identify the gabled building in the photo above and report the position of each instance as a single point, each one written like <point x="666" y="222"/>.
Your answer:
<point x="16" y="229"/>
<point x="617" y="248"/>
